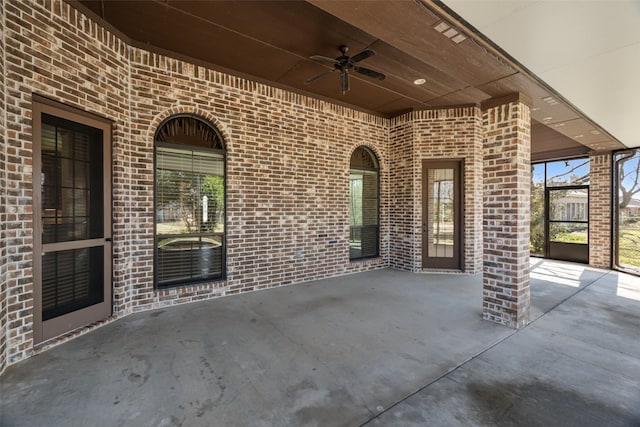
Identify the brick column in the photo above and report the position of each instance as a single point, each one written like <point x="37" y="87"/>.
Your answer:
<point x="600" y="211"/>
<point x="507" y="150"/>
<point x="3" y="215"/>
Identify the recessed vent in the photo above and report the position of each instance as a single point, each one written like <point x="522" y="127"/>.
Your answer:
<point x="459" y="38"/>
<point x="450" y="32"/>
<point x="441" y="26"/>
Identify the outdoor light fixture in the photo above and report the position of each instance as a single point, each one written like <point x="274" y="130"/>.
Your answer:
<point x="419" y="82"/>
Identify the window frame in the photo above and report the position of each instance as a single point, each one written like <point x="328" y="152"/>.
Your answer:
<point x="550" y="247"/>
<point x="615" y="213"/>
<point x="363" y="169"/>
<point x="193" y="149"/>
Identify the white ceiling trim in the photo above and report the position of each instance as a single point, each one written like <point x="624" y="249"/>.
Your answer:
<point x="588" y="51"/>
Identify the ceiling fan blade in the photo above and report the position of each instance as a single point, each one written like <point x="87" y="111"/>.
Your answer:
<point x="316" y="77"/>
<point x="344" y="81"/>
<point x="362" y="55"/>
<point x="369" y="73"/>
<point x="324" y="59"/>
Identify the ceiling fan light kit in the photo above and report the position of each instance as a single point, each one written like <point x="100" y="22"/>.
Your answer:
<point x="344" y="63"/>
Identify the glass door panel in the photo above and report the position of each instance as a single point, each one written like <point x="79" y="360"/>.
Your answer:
<point x="568" y="223"/>
<point x="537" y="240"/>
<point x="441" y="215"/>
<point x="440" y="221"/>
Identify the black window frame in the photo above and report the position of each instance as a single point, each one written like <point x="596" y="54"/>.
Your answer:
<point x="582" y="249"/>
<point x="187" y="147"/>
<point x="361" y="168"/>
<point x="615" y="213"/>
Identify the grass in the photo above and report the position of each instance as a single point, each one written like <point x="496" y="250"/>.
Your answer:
<point x="629" y="246"/>
<point x="572" y="237"/>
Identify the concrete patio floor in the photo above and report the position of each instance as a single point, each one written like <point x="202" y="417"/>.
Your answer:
<point x="384" y="348"/>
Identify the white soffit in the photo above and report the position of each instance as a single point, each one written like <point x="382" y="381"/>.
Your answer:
<point x="587" y="50"/>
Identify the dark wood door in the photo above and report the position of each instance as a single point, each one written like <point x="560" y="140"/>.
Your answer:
<point x="441" y="214"/>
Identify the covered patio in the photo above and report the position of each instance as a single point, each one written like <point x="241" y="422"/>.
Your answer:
<point x="155" y="153"/>
<point x="378" y="348"/>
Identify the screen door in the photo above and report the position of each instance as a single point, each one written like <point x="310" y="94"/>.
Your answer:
<point x="72" y="221"/>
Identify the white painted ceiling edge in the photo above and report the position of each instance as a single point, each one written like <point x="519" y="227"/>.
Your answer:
<point x="587" y="50"/>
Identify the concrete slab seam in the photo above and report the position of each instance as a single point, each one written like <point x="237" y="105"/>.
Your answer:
<point x="469" y="359"/>
<point x="464" y="362"/>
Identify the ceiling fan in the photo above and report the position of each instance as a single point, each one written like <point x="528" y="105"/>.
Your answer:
<point x="345" y="63"/>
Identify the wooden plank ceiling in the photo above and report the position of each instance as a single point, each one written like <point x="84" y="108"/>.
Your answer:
<point x="271" y="42"/>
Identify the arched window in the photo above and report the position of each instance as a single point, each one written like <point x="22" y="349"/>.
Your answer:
<point x="189" y="202"/>
<point x="364" y="204"/>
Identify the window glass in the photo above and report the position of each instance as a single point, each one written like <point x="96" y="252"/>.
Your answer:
<point x="71" y="180"/>
<point x="537" y="241"/>
<point x="189" y="191"/>
<point x="627" y="164"/>
<point x="189" y="213"/>
<point x="569" y="205"/>
<point x="440" y="220"/>
<point x="569" y="232"/>
<point x="363" y="205"/>
<point x="568" y="172"/>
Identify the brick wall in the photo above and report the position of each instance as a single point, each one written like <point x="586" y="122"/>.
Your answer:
<point x="451" y="133"/>
<point x="600" y="193"/>
<point x="54" y="51"/>
<point x="401" y="159"/>
<point x="287" y="176"/>
<point x="507" y="181"/>
<point x="287" y="163"/>
<point x="454" y="133"/>
<point x="3" y="187"/>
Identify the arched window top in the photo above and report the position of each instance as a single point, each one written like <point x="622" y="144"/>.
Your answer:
<point x="189" y="130"/>
<point x="364" y="158"/>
